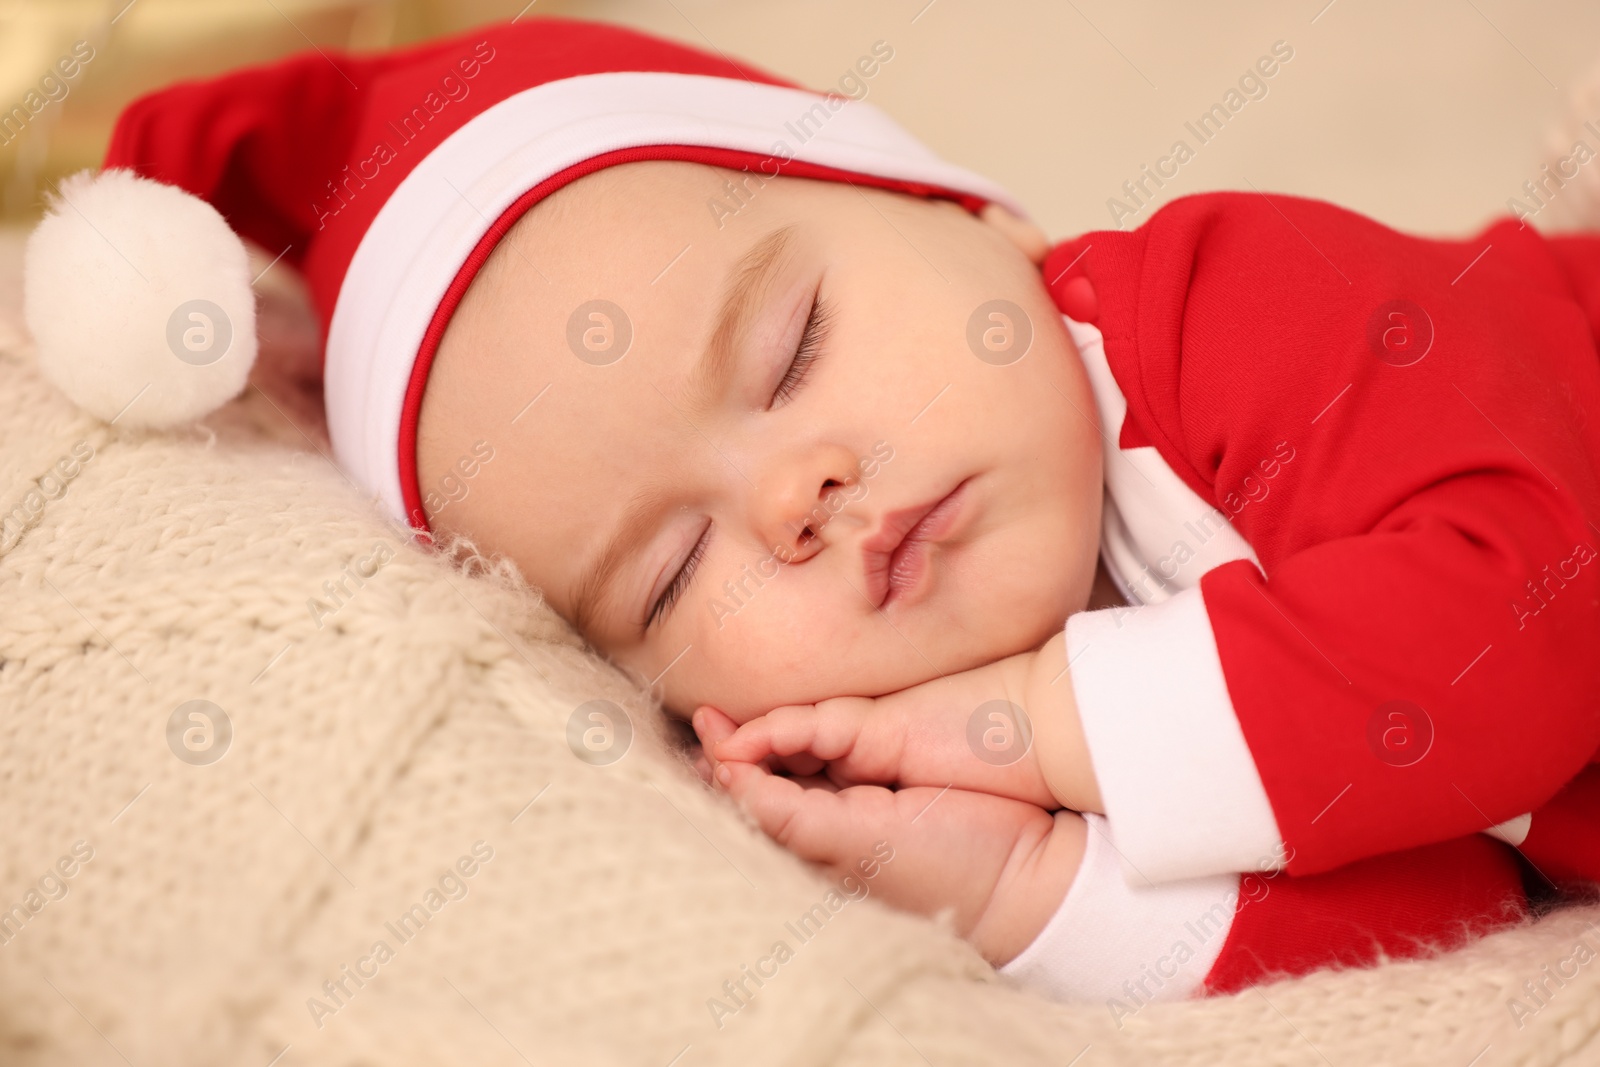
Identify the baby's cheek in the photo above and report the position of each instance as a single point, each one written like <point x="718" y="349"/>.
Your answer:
<point x="752" y="651"/>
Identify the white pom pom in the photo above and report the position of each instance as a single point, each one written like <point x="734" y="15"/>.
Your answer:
<point x="138" y="297"/>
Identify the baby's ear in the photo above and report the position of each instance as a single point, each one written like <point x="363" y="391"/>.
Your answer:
<point x="1029" y="239"/>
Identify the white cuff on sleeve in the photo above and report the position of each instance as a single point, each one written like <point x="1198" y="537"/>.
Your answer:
<point x="1513" y="831"/>
<point x="1127" y="945"/>
<point x="1176" y="776"/>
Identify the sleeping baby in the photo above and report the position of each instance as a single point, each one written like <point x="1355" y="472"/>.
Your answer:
<point x="1094" y="616"/>
<point x="1184" y="605"/>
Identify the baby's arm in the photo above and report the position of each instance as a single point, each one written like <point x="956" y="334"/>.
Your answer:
<point x="1002" y="865"/>
<point x="1045" y="897"/>
<point x="1405" y="655"/>
<point x="955" y="731"/>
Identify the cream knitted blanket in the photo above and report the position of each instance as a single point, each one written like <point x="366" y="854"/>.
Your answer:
<point x="374" y="844"/>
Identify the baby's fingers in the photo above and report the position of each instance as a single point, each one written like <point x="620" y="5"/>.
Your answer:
<point x="825" y="731"/>
<point x="712" y="726"/>
<point x="800" y="765"/>
<point x="808" y="817"/>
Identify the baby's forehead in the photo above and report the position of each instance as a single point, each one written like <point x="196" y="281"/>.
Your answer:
<point x="614" y="235"/>
<point x="620" y="258"/>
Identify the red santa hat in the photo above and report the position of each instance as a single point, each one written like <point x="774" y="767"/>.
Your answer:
<point x="388" y="180"/>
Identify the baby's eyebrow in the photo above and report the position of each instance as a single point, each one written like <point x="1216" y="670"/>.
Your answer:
<point x="742" y="298"/>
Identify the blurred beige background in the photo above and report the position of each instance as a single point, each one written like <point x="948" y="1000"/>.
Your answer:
<point x="1428" y="114"/>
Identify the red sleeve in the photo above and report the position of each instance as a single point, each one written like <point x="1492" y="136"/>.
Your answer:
<point x="1579" y="258"/>
<point x="1414" y="661"/>
<point x="1563" y="840"/>
<point x="1400" y="906"/>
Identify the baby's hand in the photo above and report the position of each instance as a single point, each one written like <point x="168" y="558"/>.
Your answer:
<point x="1002" y="866"/>
<point x="962" y="731"/>
<point x="909" y="738"/>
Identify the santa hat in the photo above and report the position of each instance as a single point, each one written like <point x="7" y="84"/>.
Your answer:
<point x="388" y="180"/>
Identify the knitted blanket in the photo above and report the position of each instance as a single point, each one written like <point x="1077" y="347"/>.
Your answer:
<point x="278" y="786"/>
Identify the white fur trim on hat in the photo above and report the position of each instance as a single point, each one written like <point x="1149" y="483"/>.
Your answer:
<point x="138" y="296"/>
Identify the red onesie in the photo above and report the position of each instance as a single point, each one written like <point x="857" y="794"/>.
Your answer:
<point x="1352" y="489"/>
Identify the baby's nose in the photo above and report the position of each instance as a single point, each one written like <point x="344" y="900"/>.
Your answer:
<point x="795" y="528"/>
<point x="799" y="496"/>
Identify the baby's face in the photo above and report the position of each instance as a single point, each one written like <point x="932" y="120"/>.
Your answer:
<point x="724" y="456"/>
